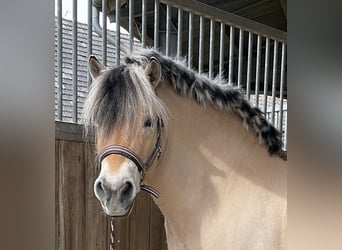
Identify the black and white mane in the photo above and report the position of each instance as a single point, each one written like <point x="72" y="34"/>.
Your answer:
<point x="205" y="91"/>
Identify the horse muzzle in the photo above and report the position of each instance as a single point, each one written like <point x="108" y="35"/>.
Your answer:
<point x="115" y="200"/>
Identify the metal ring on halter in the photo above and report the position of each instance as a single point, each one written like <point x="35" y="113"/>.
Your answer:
<point x="142" y="166"/>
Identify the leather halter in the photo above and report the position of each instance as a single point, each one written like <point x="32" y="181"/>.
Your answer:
<point x="142" y="166"/>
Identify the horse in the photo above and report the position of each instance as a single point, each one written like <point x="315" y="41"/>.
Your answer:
<point x="213" y="160"/>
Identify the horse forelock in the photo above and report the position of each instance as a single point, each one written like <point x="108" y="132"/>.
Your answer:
<point x="205" y="91"/>
<point x="119" y="100"/>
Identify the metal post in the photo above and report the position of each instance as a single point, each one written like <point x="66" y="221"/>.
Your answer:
<point x="130" y="24"/>
<point x="104" y="32"/>
<point x="143" y="23"/>
<point x="211" y="47"/>
<point x="180" y="34"/>
<point x="168" y="30"/>
<point x="282" y="75"/>
<point x="59" y="61"/>
<point x="90" y="36"/>
<point x="274" y="77"/>
<point x="200" y="50"/>
<point x="267" y="52"/>
<point x="257" y="74"/>
<point x="231" y="54"/>
<point x="221" y="63"/>
<point x="156" y="24"/>
<point x="74" y="60"/>
<point x="241" y="33"/>
<point x="249" y="65"/>
<point x="118" y="31"/>
<point x="191" y="19"/>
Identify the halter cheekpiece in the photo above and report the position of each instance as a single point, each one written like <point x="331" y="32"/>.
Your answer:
<point x="141" y="165"/>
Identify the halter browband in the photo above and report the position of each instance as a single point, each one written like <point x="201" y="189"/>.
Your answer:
<point x="142" y="166"/>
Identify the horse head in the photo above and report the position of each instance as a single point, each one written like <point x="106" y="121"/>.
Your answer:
<point x="127" y="117"/>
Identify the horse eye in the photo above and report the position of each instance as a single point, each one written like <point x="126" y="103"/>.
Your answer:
<point x="148" y="123"/>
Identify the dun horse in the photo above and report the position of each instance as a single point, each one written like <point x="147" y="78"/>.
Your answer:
<point x="214" y="159"/>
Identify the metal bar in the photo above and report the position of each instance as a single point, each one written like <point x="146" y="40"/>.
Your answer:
<point x="267" y="53"/>
<point x="118" y="31"/>
<point x="274" y="78"/>
<point x="104" y="32"/>
<point x="219" y="15"/>
<point x="143" y="23"/>
<point x="221" y="63"/>
<point x="191" y="20"/>
<point x="285" y="135"/>
<point x="59" y="61"/>
<point x="168" y="30"/>
<point x="131" y="22"/>
<point x="249" y="65"/>
<point x="200" y="49"/>
<point x="90" y="37"/>
<point x="156" y="24"/>
<point x="241" y="34"/>
<point x="180" y="34"/>
<point x="282" y="75"/>
<point x="257" y="73"/>
<point x="231" y="54"/>
<point x="74" y="60"/>
<point x="211" y="48"/>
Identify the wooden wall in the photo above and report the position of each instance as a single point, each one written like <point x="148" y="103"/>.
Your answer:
<point x="80" y="222"/>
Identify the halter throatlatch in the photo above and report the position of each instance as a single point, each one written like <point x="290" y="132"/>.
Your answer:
<point x="142" y="166"/>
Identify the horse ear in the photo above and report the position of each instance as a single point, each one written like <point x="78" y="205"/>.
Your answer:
<point x="95" y="67"/>
<point x="153" y="71"/>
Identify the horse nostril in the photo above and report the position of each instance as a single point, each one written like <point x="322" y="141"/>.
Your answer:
<point x="101" y="191"/>
<point x="126" y="192"/>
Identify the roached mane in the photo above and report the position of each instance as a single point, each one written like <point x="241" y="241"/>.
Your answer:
<point x="205" y="91"/>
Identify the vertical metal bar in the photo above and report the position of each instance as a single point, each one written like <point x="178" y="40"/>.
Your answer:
<point x="180" y="34"/>
<point x="156" y="24"/>
<point x="274" y="77"/>
<point x="211" y="47"/>
<point x="249" y="65"/>
<point x="90" y="35"/>
<point x="267" y="52"/>
<point x="59" y="61"/>
<point x="200" y="49"/>
<point x="257" y="73"/>
<point x="131" y="21"/>
<point x="118" y="32"/>
<point x="282" y="75"/>
<point x="191" y="20"/>
<point x="104" y="32"/>
<point x="221" y="63"/>
<point x="74" y="60"/>
<point x="143" y="23"/>
<point x="231" y="54"/>
<point x="241" y="33"/>
<point x="168" y="30"/>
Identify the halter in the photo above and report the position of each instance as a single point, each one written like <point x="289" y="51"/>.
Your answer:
<point x="142" y="166"/>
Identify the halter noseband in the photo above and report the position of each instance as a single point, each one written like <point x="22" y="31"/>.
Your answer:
<point x="142" y="166"/>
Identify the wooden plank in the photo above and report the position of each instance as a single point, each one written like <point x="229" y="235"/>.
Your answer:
<point x="157" y="230"/>
<point x="121" y="233"/>
<point x="57" y="218"/>
<point x="69" y="131"/>
<point x="96" y="222"/>
<point x="140" y="223"/>
<point x="71" y="195"/>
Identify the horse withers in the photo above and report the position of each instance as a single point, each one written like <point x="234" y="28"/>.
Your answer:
<point x="213" y="158"/>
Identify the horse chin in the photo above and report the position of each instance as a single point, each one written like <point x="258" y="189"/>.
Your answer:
<point x="122" y="212"/>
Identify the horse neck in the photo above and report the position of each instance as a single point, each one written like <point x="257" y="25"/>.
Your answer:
<point x="208" y="153"/>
